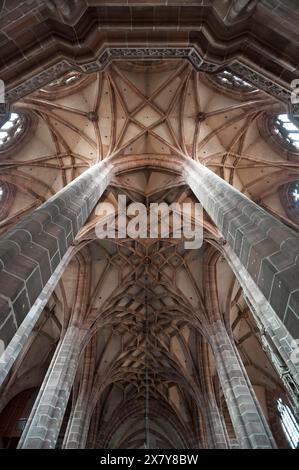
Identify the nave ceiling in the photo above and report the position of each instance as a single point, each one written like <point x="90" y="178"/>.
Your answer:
<point x="144" y="301"/>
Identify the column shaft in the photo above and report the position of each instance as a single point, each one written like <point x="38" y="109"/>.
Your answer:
<point x="31" y="251"/>
<point x="31" y="255"/>
<point x="79" y="421"/>
<point x="77" y="432"/>
<point x="216" y="432"/>
<point x="265" y="246"/>
<point x="249" y="423"/>
<point x="43" y="426"/>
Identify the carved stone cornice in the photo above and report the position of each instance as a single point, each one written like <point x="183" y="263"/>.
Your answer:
<point x="124" y="53"/>
<point x="37" y="37"/>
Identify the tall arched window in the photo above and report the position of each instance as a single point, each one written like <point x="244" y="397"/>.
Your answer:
<point x="67" y="80"/>
<point x="289" y="424"/>
<point x="11" y="129"/>
<point x="294" y="193"/>
<point x="287" y="131"/>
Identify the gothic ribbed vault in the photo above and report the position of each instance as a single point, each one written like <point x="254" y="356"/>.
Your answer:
<point x="147" y="367"/>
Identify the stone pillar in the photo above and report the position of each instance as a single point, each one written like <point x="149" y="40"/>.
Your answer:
<point x="216" y="432"/>
<point x="79" y="421"/>
<point x="266" y="248"/>
<point x="32" y="252"/>
<point x="77" y="432"/>
<point x="284" y="348"/>
<point x="250" y="426"/>
<point x="45" y="420"/>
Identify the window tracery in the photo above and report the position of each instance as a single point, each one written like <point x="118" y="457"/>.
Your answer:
<point x="232" y="81"/>
<point x="293" y="198"/>
<point x="286" y="131"/>
<point x="67" y="80"/>
<point x="69" y="83"/>
<point x="11" y="130"/>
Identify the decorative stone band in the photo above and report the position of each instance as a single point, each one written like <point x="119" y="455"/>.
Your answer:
<point x="192" y="54"/>
<point x="266" y="247"/>
<point x="32" y="250"/>
<point x="109" y="54"/>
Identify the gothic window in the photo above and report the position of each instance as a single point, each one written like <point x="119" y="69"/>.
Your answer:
<point x="11" y="130"/>
<point x="67" y="80"/>
<point x="289" y="424"/>
<point x="294" y="195"/>
<point x="69" y="83"/>
<point x="229" y="80"/>
<point x="293" y="198"/>
<point x="289" y="196"/>
<point x="286" y="131"/>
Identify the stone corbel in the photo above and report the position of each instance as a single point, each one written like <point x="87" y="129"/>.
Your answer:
<point x="233" y="11"/>
<point x="64" y="9"/>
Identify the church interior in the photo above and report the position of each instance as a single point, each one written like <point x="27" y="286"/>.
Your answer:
<point x="139" y="342"/>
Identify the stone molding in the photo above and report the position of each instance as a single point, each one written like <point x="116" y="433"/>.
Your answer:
<point x="54" y="72"/>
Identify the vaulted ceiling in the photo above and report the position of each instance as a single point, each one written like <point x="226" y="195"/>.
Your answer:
<point x="144" y="299"/>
